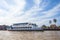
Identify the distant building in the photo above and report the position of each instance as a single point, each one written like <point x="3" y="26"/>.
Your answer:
<point x="53" y="26"/>
<point x="3" y="27"/>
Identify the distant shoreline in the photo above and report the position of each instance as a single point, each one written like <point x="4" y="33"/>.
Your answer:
<point x="34" y="30"/>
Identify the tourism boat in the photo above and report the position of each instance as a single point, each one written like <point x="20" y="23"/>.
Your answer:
<point x="24" y="27"/>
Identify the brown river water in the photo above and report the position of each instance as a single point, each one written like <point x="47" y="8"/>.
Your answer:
<point x="29" y="35"/>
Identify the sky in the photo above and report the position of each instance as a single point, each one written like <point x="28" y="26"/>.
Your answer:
<point x="32" y="11"/>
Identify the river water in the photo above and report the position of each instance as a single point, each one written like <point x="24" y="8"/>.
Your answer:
<point x="29" y="35"/>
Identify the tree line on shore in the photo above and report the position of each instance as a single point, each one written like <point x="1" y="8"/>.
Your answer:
<point x="51" y="26"/>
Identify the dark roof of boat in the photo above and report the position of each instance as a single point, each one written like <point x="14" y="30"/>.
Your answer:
<point x="20" y="23"/>
<point x="24" y="24"/>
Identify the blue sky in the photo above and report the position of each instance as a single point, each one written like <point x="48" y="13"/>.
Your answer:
<point x="35" y="11"/>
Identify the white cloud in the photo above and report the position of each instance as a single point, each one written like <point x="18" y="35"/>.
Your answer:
<point x="12" y="15"/>
<point x="53" y="11"/>
<point x="42" y="19"/>
<point x="7" y="16"/>
<point x="33" y="10"/>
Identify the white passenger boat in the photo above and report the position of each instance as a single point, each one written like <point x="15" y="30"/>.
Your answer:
<point x="24" y="27"/>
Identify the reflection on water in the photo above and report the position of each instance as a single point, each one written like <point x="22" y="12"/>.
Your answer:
<point x="29" y="35"/>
